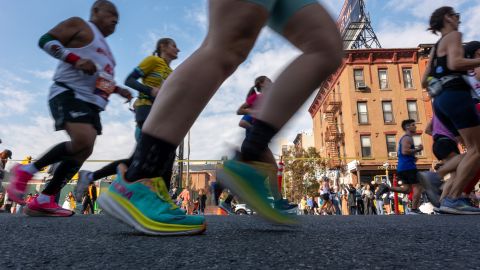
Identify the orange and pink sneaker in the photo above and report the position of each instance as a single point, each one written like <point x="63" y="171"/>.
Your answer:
<point x="18" y="184"/>
<point x="47" y="209"/>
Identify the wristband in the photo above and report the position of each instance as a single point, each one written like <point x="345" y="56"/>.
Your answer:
<point x="52" y="46"/>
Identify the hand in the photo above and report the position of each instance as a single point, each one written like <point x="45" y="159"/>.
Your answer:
<point x="155" y="91"/>
<point x="124" y="93"/>
<point x="420" y="147"/>
<point x="86" y="66"/>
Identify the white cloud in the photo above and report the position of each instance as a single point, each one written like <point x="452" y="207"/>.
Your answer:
<point x="421" y="9"/>
<point x="43" y="74"/>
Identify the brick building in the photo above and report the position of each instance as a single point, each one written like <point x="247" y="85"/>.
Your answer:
<point x="358" y="111"/>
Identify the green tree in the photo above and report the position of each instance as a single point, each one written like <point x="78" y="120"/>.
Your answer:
<point x="301" y="168"/>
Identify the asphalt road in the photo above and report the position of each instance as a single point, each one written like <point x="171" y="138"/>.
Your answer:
<point x="244" y="242"/>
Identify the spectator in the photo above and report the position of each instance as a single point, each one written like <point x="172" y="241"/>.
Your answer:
<point x="359" y="199"/>
<point x="367" y="196"/>
<point x="89" y="199"/>
<point x="352" y="203"/>
<point x="202" y="198"/>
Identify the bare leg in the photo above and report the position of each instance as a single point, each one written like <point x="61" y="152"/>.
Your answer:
<point x="321" y="55"/>
<point x="233" y="28"/>
<point x="469" y="165"/>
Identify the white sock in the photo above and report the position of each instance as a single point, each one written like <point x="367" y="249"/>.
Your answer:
<point x="42" y="198"/>
<point x="30" y="168"/>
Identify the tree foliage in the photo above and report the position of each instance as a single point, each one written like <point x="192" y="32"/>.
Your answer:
<point x="301" y="170"/>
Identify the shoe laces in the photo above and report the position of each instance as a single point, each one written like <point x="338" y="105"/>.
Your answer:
<point x="162" y="192"/>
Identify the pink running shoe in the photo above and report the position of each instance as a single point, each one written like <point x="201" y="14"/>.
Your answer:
<point x="48" y="209"/>
<point x="18" y="184"/>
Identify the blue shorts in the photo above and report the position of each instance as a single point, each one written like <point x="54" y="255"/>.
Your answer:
<point x="456" y="110"/>
<point x="281" y="11"/>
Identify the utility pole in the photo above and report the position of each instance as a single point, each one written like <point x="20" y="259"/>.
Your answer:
<point x="180" y="166"/>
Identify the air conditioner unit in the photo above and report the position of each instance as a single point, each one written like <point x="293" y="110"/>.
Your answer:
<point x="392" y="154"/>
<point x="361" y="85"/>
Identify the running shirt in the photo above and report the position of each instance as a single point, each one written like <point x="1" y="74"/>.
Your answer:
<point x="439" y="69"/>
<point x="85" y="86"/>
<point x="405" y="162"/>
<point x="439" y="129"/>
<point x="154" y="71"/>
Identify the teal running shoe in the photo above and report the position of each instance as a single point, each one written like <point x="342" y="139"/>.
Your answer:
<point x="247" y="181"/>
<point x="146" y="206"/>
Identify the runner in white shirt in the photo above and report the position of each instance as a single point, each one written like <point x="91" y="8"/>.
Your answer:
<point x="83" y="82"/>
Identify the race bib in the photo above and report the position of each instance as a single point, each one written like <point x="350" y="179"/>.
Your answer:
<point x="104" y="87"/>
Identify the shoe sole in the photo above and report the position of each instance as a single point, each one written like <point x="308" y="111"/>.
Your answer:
<point x="38" y="213"/>
<point x="431" y="191"/>
<point x="449" y="210"/>
<point x="232" y="182"/>
<point x="112" y="205"/>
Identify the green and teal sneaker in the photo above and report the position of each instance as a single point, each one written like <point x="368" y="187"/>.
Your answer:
<point x="146" y="206"/>
<point x="247" y="181"/>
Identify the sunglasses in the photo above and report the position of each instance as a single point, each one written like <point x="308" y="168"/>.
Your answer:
<point x="456" y="15"/>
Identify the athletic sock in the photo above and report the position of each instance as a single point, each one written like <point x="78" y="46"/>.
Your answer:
<point x="30" y="168"/>
<point x="256" y="143"/>
<point x="150" y="158"/>
<point x="63" y="173"/>
<point x="54" y="155"/>
<point x="108" y="170"/>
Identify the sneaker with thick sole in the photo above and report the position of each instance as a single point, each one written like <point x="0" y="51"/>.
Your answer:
<point x="431" y="182"/>
<point x="284" y="206"/>
<point x="458" y="206"/>
<point x="144" y="206"/>
<point x="415" y="212"/>
<point x="82" y="185"/>
<point x="247" y="181"/>
<point x="227" y="207"/>
<point x="18" y="184"/>
<point x="46" y="209"/>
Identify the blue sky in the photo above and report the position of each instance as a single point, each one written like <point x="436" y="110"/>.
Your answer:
<point x="26" y="71"/>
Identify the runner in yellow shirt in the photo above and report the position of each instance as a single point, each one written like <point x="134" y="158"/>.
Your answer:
<point x="153" y="71"/>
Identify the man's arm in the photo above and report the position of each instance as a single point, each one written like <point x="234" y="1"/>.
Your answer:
<point x="407" y="143"/>
<point x="67" y="33"/>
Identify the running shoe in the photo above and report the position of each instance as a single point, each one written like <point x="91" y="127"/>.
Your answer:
<point x="431" y="182"/>
<point x="18" y="184"/>
<point x="284" y="206"/>
<point x="247" y="181"/>
<point x="46" y="209"/>
<point x="382" y="189"/>
<point x="415" y="212"/>
<point x="458" y="206"/>
<point x="146" y="206"/>
<point x="82" y="184"/>
<point x="227" y="207"/>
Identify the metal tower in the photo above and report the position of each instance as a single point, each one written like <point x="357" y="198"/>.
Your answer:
<point x="355" y="27"/>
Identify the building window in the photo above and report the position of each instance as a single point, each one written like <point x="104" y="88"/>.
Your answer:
<point x="383" y="79"/>
<point x="407" y="78"/>
<point x="412" y="110"/>
<point x="366" y="146"/>
<point x="362" y="112"/>
<point x="391" y="146"/>
<point x="417" y="140"/>
<point x="358" y="78"/>
<point x="387" y="112"/>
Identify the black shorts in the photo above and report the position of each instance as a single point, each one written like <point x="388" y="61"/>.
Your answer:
<point x="443" y="146"/>
<point x="408" y="177"/>
<point x="456" y="110"/>
<point x="65" y="108"/>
